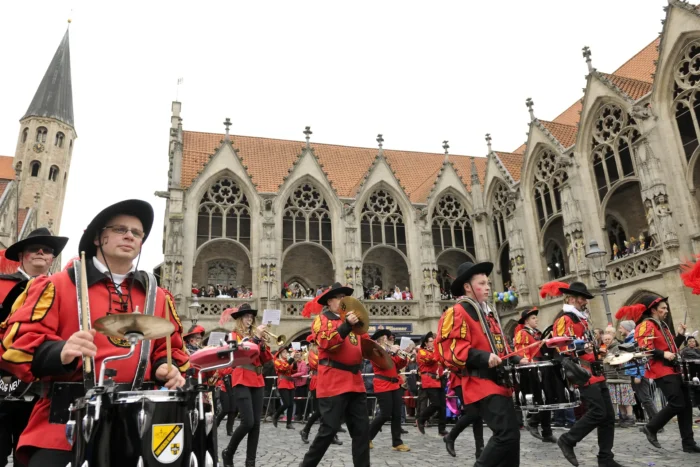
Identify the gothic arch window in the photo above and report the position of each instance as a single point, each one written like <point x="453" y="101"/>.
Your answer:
<point x="224" y="212"/>
<point x="381" y="222"/>
<point x="614" y="132"/>
<point x="451" y="226"/>
<point x="501" y="209"/>
<point x="616" y="233"/>
<point x="53" y="173"/>
<point x="554" y="255"/>
<point x="41" y="134"/>
<point x="222" y="272"/>
<point x="25" y="135"/>
<point x="549" y="177"/>
<point x="58" y="142"/>
<point x="35" y="166"/>
<point x="307" y="218"/>
<point x="686" y="101"/>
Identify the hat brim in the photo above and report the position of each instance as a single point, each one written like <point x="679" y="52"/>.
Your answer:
<point x="380" y="333"/>
<point x="57" y="243"/>
<point x="575" y="293"/>
<point x="530" y="313"/>
<point x="663" y="299"/>
<point x="241" y="313"/>
<point x="457" y="287"/>
<point x="347" y="291"/>
<point x="130" y="207"/>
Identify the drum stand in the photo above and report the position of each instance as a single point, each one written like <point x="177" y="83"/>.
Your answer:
<point x="198" y="414"/>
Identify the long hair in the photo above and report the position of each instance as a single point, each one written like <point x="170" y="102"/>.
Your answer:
<point x="240" y="329"/>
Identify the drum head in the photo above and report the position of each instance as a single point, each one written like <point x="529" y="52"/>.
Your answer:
<point x="243" y="355"/>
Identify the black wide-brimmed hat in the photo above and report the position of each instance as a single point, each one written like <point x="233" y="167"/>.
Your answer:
<point x="130" y="207"/>
<point x="650" y="301"/>
<point x="380" y="333"/>
<point x="527" y="313"/>
<point x="336" y="289"/>
<point x="40" y="236"/>
<point x="577" y="289"/>
<point x="424" y="339"/>
<point x="244" y="309"/>
<point x="464" y="272"/>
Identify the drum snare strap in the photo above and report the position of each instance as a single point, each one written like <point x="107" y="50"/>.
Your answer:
<point x="146" y="344"/>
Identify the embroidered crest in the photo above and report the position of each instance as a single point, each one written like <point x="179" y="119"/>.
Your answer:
<point x="167" y="441"/>
<point x="500" y="346"/>
<point x="353" y="338"/>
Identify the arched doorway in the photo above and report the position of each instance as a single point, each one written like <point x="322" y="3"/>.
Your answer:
<point x="384" y="268"/>
<point x="625" y="217"/>
<point x="222" y="262"/>
<point x="308" y="264"/>
<point x="447" y="264"/>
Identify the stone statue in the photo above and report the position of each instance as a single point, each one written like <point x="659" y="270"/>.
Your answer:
<point x="663" y="212"/>
<point x="176" y="237"/>
<point x="349" y="213"/>
<point x="348" y="275"/>
<point x="651" y="221"/>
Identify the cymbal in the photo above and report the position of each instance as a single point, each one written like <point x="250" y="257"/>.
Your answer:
<point x="619" y="359"/>
<point x="348" y="304"/>
<point x="146" y="326"/>
<point x="376" y="354"/>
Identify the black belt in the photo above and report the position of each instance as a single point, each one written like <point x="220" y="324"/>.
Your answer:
<point x="354" y="369"/>
<point x="286" y="378"/>
<point x="386" y="378"/>
<point x="256" y="369"/>
<point x="480" y="373"/>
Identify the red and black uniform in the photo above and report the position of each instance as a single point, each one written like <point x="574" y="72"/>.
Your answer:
<point x="46" y="316"/>
<point x="654" y="335"/>
<point x="470" y="416"/>
<point x="226" y="396"/>
<point x="388" y="391"/>
<point x="285" y="386"/>
<point x="600" y="413"/>
<point x="313" y="400"/>
<point x="431" y="387"/>
<point x="340" y="390"/>
<point x="464" y="344"/>
<point x="524" y="337"/>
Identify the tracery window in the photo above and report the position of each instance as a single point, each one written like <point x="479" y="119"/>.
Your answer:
<point x="451" y="226"/>
<point x="381" y="222"/>
<point x="549" y="177"/>
<point x="555" y="260"/>
<point x="686" y="85"/>
<point x="614" y="132"/>
<point x="224" y="212"/>
<point x="221" y="272"/>
<point x="41" y="134"/>
<point x="307" y="218"/>
<point x="501" y="210"/>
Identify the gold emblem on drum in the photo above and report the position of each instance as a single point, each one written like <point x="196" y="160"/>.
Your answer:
<point x="119" y="342"/>
<point x="167" y="442"/>
<point x="353" y="338"/>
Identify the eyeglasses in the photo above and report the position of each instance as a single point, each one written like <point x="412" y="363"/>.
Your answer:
<point x="122" y="230"/>
<point x="38" y="248"/>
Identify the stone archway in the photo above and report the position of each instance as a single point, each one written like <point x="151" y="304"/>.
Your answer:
<point x="447" y="264"/>
<point x="555" y="257"/>
<point x="385" y="268"/>
<point x="222" y="262"/>
<point x="624" y="206"/>
<point x="308" y="263"/>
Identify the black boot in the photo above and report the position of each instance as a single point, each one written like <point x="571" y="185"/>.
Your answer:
<point x="336" y="441"/>
<point x="568" y="452"/>
<point x="290" y="426"/>
<point x="534" y="431"/>
<point x="651" y="437"/>
<point x="609" y="463"/>
<point x="275" y="419"/>
<point x="421" y="427"/>
<point x="479" y="448"/>
<point x="304" y="436"/>
<point x="227" y="457"/>
<point x="693" y="448"/>
<point x="450" y="446"/>
<point x="249" y="463"/>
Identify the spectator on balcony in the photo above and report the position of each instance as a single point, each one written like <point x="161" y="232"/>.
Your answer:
<point x="232" y="292"/>
<point x="211" y="292"/>
<point x="397" y="293"/>
<point x="407" y="295"/>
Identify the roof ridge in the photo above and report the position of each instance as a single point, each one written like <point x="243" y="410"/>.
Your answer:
<point x="603" y="77"/>
<point x="291" y="169"/>
<point x="560" y="147"/>
<point x="502" y="167"/>
<point x="635" y="56"/>
<point x="624" y="77"/>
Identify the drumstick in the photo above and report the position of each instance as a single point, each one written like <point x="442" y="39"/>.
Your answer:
<point x="87" y="363"/>
<point x="168" y="349"/>
<point x="537" y="344"/>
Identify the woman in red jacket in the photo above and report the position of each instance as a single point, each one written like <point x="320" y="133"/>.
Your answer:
<point x="248" y="385"/>
<point x="284" y="367"/>
<point x="227" y="398"/>
<point x="388" y="393"/>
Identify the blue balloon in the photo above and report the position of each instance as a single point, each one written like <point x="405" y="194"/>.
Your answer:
<point x="500" y="295"/>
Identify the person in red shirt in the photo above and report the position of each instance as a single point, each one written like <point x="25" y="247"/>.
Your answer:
<point x="430" y="384"/>
<point x="44" y="339"/>
<point x="470" y="339"/>
<point x="284" y="367"/>
<point x="248" y="385"/>
<point x="653" y="335"/>
<point x="600" y="414"/>
<point x="388" y="391"/>
<point x="340" y="389"/>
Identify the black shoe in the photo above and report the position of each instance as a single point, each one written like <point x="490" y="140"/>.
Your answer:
<point x="342" y="430"/>
<point x="450" y="446"/>
<point x="534" y="431"/>
<point x="404" y="432"/>
<point x="568" y="452"/>
<point x="249" y="463"/>
<point x="609" y="463"/>
<point x="421" y="427"/>
<point x="336" y="441"/>
<point x="304" y="436"/>
<point x="479" y="450"/>
<point x="227" y="458"/>
<point x="290" y="426"/>
<point x="229" y="432"/>
<point x="651" y="437"/>
<point x="549" y="439"/>
<point x="275" y="419"/>
<point x="442" y="432"/>
<point x="693" y="448"/>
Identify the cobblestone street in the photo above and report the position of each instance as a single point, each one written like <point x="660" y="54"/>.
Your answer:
<point x="282" y="447"/>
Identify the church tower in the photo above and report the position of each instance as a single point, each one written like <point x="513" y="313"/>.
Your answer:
<point x="45" y="143"/>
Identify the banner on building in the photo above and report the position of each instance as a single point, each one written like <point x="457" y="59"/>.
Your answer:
<point x="396" y="328"/>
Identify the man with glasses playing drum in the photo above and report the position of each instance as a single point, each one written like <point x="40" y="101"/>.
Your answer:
<point x="44" y="339"/>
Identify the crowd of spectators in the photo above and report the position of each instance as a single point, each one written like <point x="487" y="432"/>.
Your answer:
<point x="222" y="291"/>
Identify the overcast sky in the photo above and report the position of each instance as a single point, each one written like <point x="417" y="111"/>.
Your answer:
<point x="418" y="72"/>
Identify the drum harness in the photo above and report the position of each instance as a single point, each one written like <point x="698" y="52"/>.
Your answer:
<point x="665" y="331"/>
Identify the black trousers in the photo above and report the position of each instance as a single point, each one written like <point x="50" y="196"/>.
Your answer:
<point x="287" y="396"/>
<point x="389" y="410"/>
<point x="14" y="417"/>
<point x="470" y="416"/>
<point x="543" y="419"/>
<point x="50" y="458"/>
<point x="503" y="449"/>
<point x="316" y="414"/>
<point x="249" y="402"/>
<point x="353" y="407"/>
<point x="600" y="416"/>
<point x="228" y="409"/>
<point x="678" y="404"/>
<point x="437" y="404"/>
<point x="301" y="392"/>
<point x="643" y="392"/>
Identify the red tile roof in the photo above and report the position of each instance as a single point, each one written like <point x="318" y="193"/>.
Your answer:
<point x="565" y="134"/>
<point x="571" y="115"/>
<point x="512" y="162"/>
<point x="7" y="170"/>
<point x="634" y="88"/>
<point x="3" y="186"/>
<point x="641" y="66"/>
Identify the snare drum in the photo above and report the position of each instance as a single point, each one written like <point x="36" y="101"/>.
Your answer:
<point x="543" y="386"/>
<point x="691" y="372"/>
<point x="141" y="428"/>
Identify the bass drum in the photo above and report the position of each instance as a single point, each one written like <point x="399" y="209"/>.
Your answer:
<point x="543" y="386"/>
<point x="142" y="429"/>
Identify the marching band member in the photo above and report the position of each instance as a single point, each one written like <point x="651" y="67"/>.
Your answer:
<point x="431" y="386"/>
<point x="227" y="398"/>
<point x="284" y="367"/>
<point x="471" y="339"/>
<point x="248" y="385"/>
<point x="389" y="394"/>
<point x="526" y="333"/>
<point x="44" y="340"/>
<point x="653" y="335"/>
<point x="340" y="389"/>
<point x="600" y="413"/>
<point x="193" y="338"/>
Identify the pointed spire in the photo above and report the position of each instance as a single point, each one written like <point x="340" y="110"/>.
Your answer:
<point x="488" y="142"/>
<point x="530" y="104"/>
<point x="475" y="174"/>
<point x="587" y="55"/>
<point x="380" y="142"/>
<point x="54" y="97"/>
<point x="307" y="134"/>
<point x="227" y="124"/>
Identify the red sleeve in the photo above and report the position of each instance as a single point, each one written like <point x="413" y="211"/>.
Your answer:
<point x="453" y="339"/>
<point x="563" y="327"/>
<point x="644" y="335"/>
<point x="522" y="340"/>
<point x="399" y="362"/>
<point x="329" y="333"/>
<point x="265" y="354"/>
<point x="281" y="367"/>
<point x="179" y="352"/>
<point x="426" y="358"/>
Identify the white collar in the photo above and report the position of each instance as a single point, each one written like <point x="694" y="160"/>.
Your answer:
<point x="23" y="272"/>
<point x="103" y="269"/>
<point x="572" y="309"/>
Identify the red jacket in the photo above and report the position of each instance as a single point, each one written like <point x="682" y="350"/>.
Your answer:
<point x="313" y="370"/>
<point x="244" y="375"/>
<point x="651" y="337"/>
<point x="284" y="372"/>
<point x="455" y="380"/>
<point x="382" y="385"/>
<point x="46" y="316"/>
<point x="523" y="338"/>
<point x="462" y="344"/>
<point x="566" y="325"/>
<point x="429" y="368"/>
<point x="338" y="343"/>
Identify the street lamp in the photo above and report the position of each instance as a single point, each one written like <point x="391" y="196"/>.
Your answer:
<point x="599" y="258"/>
<point x="194" y="308"/>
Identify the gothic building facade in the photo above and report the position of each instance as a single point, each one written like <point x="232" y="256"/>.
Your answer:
<point x="620" y="167"/>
